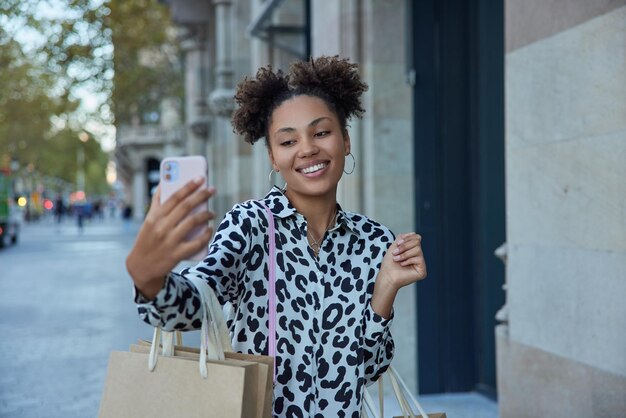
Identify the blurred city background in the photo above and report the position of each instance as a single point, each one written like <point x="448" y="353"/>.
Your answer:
<point x="496" y="129"/>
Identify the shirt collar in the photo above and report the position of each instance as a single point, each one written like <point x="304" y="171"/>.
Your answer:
<point x="281" y="208"/>
<point x="278" y="203"/>
<point x="344" y="218"/>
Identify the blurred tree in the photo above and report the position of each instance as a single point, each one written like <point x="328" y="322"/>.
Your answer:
<point x="52" y="52"/>
<point x="146" y="62"/>
<point x="61" y="160"/>
<point x="25" y="105"/>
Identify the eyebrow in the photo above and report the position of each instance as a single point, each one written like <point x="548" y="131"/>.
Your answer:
<point x="312" y="123"/>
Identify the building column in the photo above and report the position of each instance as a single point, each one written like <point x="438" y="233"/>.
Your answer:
<point x="197" y="122"/>
<point x="139" y="192"/>
<point x="223" y="151"/>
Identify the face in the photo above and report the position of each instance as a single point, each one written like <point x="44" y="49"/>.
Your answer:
<point x="308" y="147"/>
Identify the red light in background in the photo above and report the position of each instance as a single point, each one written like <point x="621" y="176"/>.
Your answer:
<point x="77" y="196"/>
<point x="48" y="204"/>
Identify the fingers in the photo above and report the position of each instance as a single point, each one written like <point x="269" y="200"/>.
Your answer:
<point x="408" y="250"/>
<point x="155" y="204"/>
<point x="191" y="247"/>
<point x="418" y="265"/>
<point x="182" y="194"/>
<point x="416" y="261"/>
<point x="408" y="253"/>
<point x="406" y="242"/>
<point x="156" y="197"/>
<point x="183" y="229"/>
<point x="185" y="206"/>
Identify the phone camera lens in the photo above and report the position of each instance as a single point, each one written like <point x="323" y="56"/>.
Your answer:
<point x="168" y="177"/>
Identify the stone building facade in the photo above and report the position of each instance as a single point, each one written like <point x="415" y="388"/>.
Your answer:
<point x="563" y="350"/>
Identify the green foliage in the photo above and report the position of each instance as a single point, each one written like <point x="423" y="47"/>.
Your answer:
<point x="25" y="106"/>
<point x="52" y="51"/>
<point x="61" y="160"/>
<point x="47" y="57"/>
<point x="146" y="61"/>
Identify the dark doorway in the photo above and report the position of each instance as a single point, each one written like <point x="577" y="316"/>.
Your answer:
<point x="456" y="58"/>
<point x="152" y="175"/>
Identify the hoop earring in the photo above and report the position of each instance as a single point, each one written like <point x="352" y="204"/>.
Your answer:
<point x="353" y="165"/>
<point x="269" y="178"/>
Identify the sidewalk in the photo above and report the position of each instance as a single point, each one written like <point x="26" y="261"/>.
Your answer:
<point x="457" y="405"/>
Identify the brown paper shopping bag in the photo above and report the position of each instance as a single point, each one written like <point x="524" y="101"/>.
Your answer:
<point x="176" y="389"/>
<point x="264" y="385"/>
<point x="266" y="379"/>
<point x="186" y="385"/>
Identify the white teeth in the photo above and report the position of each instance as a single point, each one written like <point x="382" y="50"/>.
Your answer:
<point x="314" y="168"/>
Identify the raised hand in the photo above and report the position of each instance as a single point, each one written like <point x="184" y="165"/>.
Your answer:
<point x="161" y="243"/>
<point x="402" y="265"/>
<point x="404" y="262"/>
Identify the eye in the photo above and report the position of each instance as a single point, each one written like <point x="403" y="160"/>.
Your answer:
<point x="287" y="143"/>
<point x="321" y="134"/>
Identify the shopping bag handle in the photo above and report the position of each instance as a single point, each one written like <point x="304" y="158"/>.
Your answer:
<point x="400" y="390"/>
<point x="214" y="338"/>
<point x="211" y="343"/>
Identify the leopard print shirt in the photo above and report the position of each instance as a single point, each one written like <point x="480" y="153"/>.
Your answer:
<point x="329" y="342"/>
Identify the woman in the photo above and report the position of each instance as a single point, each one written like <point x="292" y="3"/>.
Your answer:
<point x="337" y="272"/>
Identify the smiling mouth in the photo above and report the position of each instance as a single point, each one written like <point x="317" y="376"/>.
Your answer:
<point x="314" y="168"/>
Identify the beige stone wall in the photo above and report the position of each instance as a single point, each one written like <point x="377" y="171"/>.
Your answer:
<point x="537" y="383"/>
<point x="372" y="33"/>
<point x="566" y="213"/>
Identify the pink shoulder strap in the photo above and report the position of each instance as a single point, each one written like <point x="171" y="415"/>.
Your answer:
<point x="272" y="286"/>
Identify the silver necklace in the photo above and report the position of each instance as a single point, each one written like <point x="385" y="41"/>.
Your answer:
<point x="315" y="246"/>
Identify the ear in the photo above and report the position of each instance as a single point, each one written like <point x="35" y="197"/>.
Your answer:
<point x="270" y="155"/>
<point x="346" y="142"/>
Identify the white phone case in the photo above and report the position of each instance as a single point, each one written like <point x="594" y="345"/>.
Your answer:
<point x="175" y="172"/>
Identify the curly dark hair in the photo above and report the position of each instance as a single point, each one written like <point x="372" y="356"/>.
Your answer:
<point x="332" y="79"/>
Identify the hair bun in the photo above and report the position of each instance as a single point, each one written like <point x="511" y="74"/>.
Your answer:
<point x="336" y="77"/>
<point x="255" y="97"/>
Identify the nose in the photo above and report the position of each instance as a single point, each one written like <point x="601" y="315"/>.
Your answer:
<point x="307" y="148"/>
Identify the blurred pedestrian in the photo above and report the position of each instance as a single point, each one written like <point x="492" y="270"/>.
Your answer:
<point x="127" y="215"/>
<point x="80" y="214"/>
<point x="112" y="206"/>
<point x="98" y="211"/>
<point x="59" y="209"/>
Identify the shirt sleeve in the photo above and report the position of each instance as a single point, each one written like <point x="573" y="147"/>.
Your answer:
<point x="177" y="305"/>
<point x="378" y="342"/>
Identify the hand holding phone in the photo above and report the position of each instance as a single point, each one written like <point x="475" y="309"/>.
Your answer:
<point x="175" y="227"/>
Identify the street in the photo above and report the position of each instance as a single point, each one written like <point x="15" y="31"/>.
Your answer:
<point x="65" y="303"/>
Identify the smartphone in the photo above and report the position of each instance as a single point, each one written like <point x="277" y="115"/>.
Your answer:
<point x="175" y="172"/>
